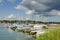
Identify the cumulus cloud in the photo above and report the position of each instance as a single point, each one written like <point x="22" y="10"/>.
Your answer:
<point x="20" y="7"/>
<point x="12" y="17"/>
<point x="44" y="7"/>
<point x="30" y="11"/>
<point x="55" y="12"/>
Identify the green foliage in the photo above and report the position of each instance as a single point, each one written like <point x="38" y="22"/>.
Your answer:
<point x="51" y="34"/>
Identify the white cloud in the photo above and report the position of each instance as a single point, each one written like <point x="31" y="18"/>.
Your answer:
<point x="44" y="7"/>
<point x="34" y="5"/>
<point x="40" y="6"/>
<point x="30" y="11"/>
<point x="33" y="2"/>
<point x="55" y="12"/>
<point x="11" y="16"/>
<point x="27" y="18"/>
<point x="31" y="5"/>
<point x="20" y="7"/>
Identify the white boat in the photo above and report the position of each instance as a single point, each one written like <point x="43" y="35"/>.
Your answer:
<point x="39" y="26"/>
<point x="37" y="32"/>
<point x="14" y="26"/>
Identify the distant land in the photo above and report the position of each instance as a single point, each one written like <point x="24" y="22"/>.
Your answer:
<point x="27" y="21"/>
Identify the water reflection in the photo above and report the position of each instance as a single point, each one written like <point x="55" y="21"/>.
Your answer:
<point x="8" y="34"/>
<point x="10" y="30"/>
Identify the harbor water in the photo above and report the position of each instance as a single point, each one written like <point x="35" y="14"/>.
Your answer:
<point x="8" y="34"/>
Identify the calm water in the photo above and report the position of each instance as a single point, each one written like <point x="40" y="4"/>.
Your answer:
<point x="7" y="34"/>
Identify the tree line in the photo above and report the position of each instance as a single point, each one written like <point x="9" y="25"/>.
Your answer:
<point x="27" y="21"/>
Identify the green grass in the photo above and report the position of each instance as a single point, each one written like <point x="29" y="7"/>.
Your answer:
<point x="51" y="34"/>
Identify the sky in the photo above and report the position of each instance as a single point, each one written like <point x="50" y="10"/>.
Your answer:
<point x="39" y="10"/>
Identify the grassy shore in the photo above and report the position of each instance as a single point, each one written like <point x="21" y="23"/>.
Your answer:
<point x="51" y="34"/>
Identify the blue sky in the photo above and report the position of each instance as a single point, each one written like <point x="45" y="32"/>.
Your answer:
<point x="7" y="8"/>
<point x="45" y="10"/>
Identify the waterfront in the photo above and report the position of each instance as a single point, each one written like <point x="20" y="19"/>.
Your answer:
<point x="8" y="34"/>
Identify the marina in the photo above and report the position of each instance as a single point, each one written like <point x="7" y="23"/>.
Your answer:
<point x="35" y="30"/>
<point x="23" y="31"/>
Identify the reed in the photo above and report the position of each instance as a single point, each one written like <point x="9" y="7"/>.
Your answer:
<point x="51" y="34"/>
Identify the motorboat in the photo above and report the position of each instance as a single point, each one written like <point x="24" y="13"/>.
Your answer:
<point x="39" y="26"/>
